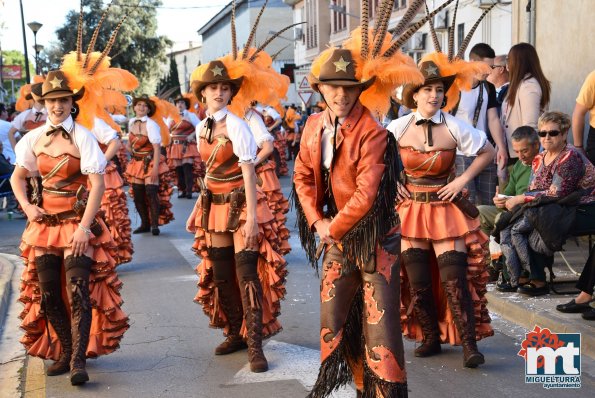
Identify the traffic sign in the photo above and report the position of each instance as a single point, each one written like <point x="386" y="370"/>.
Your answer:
<point x="305" y="96"/>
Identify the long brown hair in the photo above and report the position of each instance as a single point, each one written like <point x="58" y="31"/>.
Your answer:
<point x="522" y="61"/>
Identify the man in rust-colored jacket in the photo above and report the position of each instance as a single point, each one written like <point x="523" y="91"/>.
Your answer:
<point x="345" y="187"/>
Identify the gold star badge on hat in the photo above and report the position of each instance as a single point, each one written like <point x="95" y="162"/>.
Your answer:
<point x="431" y="70"/>
<point x="217" y="71"/>
<point x="56" y="83"/>
<point x="341" y="64"/>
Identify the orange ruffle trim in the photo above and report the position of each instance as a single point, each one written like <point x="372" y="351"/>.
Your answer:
<point x="115" y="207"/>
<point x="271" y="269"/>
<point x="109" y="322"/>
<point x="281" y="145"/>
<point x="277" y="202"/>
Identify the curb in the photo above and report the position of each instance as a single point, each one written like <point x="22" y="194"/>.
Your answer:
<point x="8" y="264"/>
<point x="521" y="313"/>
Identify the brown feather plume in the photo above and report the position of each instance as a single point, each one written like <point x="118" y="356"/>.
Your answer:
<point x="275" y="55"/>
<point x="269" y="40"/>
<point x="451" y="33"/>
<point x="110" y="43"/>
<point x="79" y="36"/>
<point x="234" y="40"/>
<point x="408" y="17"/>
<point x="365" y="24"/>
<point x="433" y="32"/>
<point x="253" y="31"/>
<point x="386" y="11"/>
<point x="95" y="35"/>
<point x="405" y="36"/>
<point x="465" y="43"/>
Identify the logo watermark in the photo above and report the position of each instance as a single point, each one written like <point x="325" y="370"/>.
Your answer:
<point x="552" y="359"/>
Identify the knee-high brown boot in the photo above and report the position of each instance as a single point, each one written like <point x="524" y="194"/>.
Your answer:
<point x="153" y="199"/>
<point x="228" y="296"/>
<point x="77" y="273"/>
<point x="416" y="263"/>
<point x="251" y="290"/>
<point x="49" y="273"/>
<point x="140" y="202"/>
<point x="188" y="179"/>
<point x="453" y="266"/>
<point x="181" y="182"/>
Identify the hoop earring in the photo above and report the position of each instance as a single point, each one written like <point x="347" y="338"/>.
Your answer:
<point x="443" y="103"/>
<point x="415" y="102"/>
<point x="73" y="110"/>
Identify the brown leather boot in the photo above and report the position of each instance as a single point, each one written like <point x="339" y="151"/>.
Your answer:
<point x="81" y="315"/>
<point x="153" y="199"/>
<point x="140" y="202"/>
<point x="459" y="301"/>
<point x="228" y="297"/>
<point x="425" y="312"/>
<point x="251" y="290"/>
<point x="55" y="311"/>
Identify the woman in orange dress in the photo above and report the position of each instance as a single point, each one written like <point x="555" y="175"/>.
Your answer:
<point x="241" y="276"/>
<point x="147" y="170"/>
<point x="114" y="203"/>
<point x="65" y="237"/>
<point x="434" y="217"/>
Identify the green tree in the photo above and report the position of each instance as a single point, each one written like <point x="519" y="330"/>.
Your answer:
<point x="15" y="57"/>
<point x="137" y="49"/>
<point x="170" y="84"/>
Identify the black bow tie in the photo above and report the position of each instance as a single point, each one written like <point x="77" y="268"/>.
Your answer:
<point x="429" y="140"/>
<point x="37" y="116"/>
<point x="209" y="125"/>
<point x="58" y="129"/>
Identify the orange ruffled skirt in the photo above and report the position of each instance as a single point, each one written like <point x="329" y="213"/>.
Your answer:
<point x="109" y="322"/>
<point x="136" y="169"/>
<point x="277" y="203"/>
<point x="176" y="151"/>
<point x="421" y="221"/>
<point x="281" y="145"/>
<point x="115" y="207"/>
<point x="271" y="267"/>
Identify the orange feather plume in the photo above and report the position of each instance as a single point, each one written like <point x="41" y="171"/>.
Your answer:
<point x="97" y="97"/>
<point x="391" y="72"/>
<point x="466" y="71"/>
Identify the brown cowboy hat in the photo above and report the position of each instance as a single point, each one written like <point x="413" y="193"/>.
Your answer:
<point x="33" y="95"/>
<point x="215" y="72"/>
<point x="339" y="70"/>
<point x="431" y="74"/>
<point x="55" y="86"/>
<point x="150" y="103"/>
<point x="186" y="101"/>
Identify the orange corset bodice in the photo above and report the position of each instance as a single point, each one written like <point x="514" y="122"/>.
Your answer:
<point x="32" y="124"/>
<point x="140" y="144"/>
<point x="223" y="172"/>
<point x="61" y="177"/>
<point x="432" y="164"/>
<point x="182" y="129"/>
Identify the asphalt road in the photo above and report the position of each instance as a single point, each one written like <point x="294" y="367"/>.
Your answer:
<point x="168" y="351"/>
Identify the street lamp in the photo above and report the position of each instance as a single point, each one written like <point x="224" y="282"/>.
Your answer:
<point x="38" y="48"/>
<point x="341" y="10"/>
<point x="35" y="26"/>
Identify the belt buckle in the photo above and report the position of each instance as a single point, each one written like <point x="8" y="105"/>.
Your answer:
<point x="426" y="197"/>
<point x="51" y="220"/>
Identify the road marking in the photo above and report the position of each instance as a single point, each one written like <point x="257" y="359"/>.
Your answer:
<point x="289" y="362"/>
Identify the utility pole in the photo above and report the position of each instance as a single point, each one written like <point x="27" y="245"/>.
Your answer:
<point x="28" y="76"/>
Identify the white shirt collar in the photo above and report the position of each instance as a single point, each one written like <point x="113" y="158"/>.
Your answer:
<point x="142" y="119"/>
<point x="67" y="124"/>
<point x="219" y="115"/>
<point x="436" y="118"/>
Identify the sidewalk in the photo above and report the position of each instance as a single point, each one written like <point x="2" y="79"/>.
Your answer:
<point x="529" y="311"/>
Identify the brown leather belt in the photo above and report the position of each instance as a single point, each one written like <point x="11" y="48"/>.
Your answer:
<point x="425" y="197"/>
<point x="220" y="198"/>
<point x="54" y="219"/>
<point x="179" y="141"/>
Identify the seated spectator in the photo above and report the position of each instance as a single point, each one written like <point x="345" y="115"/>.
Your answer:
<point x="526" y="145"/>
<point x="584" y="301"/>
<point x="561" y="178"/>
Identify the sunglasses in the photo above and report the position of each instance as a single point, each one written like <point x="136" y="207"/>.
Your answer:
<point x="552" y="133"/>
